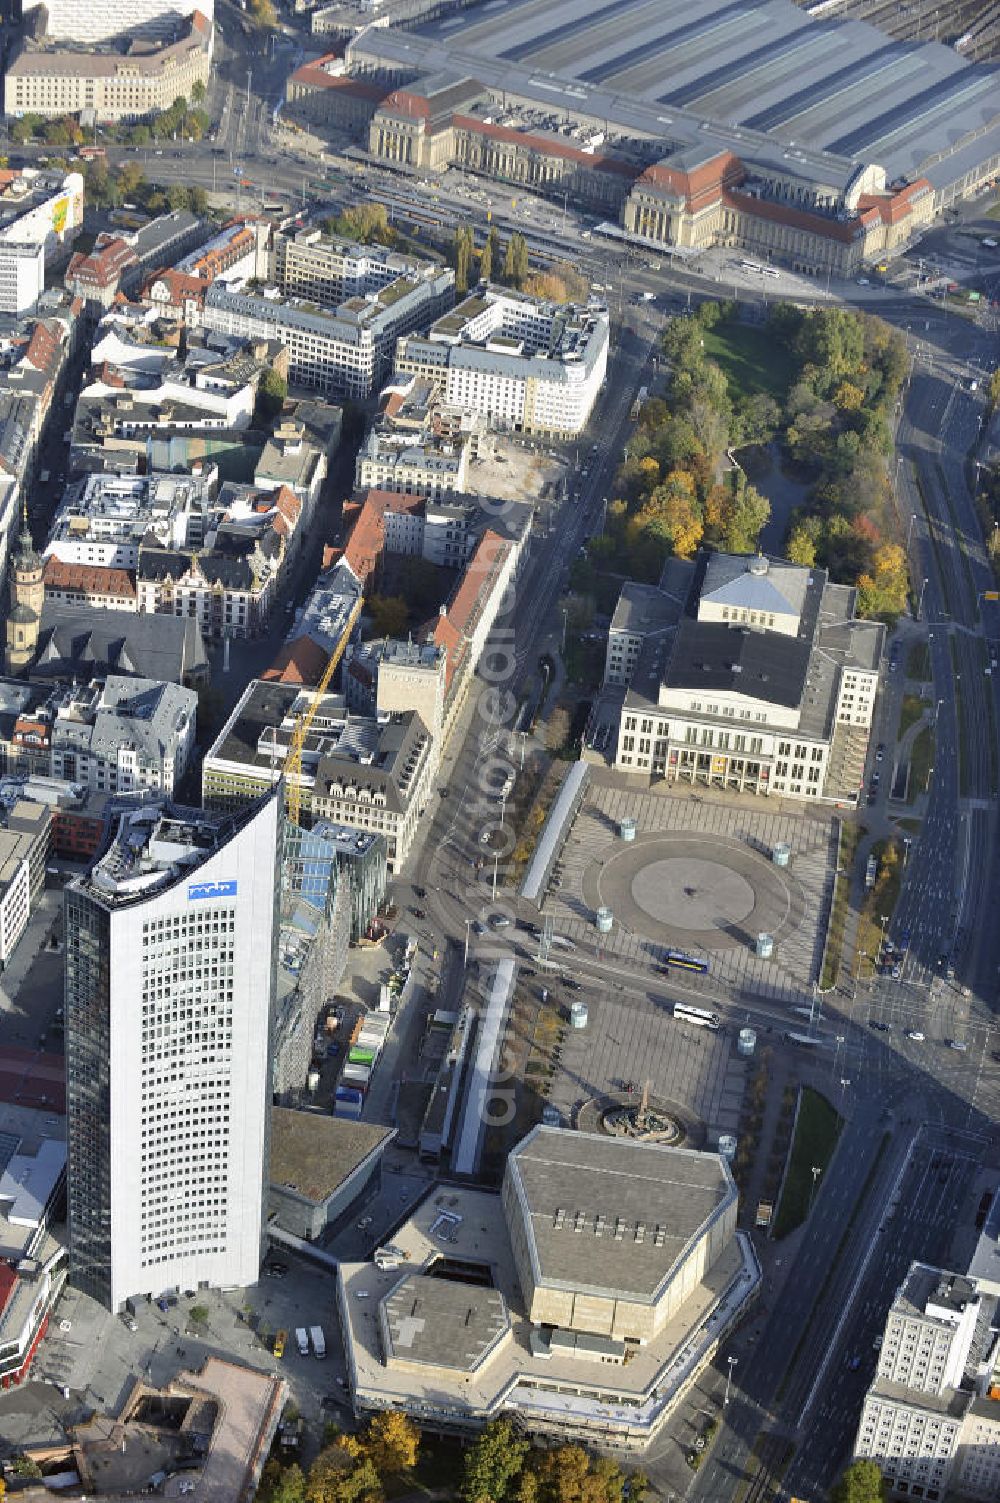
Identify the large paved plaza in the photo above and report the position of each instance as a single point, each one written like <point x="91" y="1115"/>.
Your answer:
<point x="699" y="877"/>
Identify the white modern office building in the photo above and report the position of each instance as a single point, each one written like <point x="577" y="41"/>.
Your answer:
<point x="41" y="216"/>
<point x="100" y="20"/>
<point x="170" y="977"/>
<point x="340" y="338"/>
<point x="528" y="365"/>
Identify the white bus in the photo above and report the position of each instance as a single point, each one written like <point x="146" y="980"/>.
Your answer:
<point x="697" y="1015"/>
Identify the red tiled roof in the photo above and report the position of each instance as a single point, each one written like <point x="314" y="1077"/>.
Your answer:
<point x="179" y="284"/>
<point x="105" y="263"/>
<point x="301" y="661"/>
<point x="43" y="347"/>
<point x="88" y="579"/>
<point x="367" y="536"/>
<point x="477" y="579"/>
<point x="891" y="208"/>
<point x="702" y="185"/>
<point x="288" y="507"/>
<point x="545" y="146"/>
<point x="405" y="102"/>
<point x="315" y="74"/>
<point x="798" y="219"/>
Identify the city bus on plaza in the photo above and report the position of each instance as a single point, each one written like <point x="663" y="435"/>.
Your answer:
<point x="700" y="1016"/>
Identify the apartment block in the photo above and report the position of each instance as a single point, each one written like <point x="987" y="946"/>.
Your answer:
<point x="338" y="309"/>
<point x="371" y="773"/>
<point x="528" y="365"/>
<point x="24" y="845"/>
<point x="52" y="80"/>
<point x="931" y="1419"/>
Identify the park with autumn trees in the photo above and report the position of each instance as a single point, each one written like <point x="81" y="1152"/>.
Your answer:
<point x="813" y="390"/>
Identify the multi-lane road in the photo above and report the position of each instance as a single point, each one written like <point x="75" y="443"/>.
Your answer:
<point x="952" y="880"/>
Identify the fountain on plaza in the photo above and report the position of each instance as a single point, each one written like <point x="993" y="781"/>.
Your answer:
<point x="642" y="1120"/>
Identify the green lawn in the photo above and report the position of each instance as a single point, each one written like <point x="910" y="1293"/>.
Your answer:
<point x="816" y="1131"/>
<point x="921" y="762"/>
<point x="918" y="663"/>
<point x="913" y="708"/>
<point x="751" y="359"/>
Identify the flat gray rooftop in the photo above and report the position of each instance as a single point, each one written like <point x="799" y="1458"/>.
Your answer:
<point x="442" y="1322"/>
<point x="611" y="1214"/>
<point x="760" y="67"/>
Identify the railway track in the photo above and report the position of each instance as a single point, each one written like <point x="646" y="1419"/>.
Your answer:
<point x="768" y="1464"/>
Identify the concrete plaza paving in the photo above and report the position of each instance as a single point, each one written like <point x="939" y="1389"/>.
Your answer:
<point x="699" y="878"/>
<point x="632" y="1037"/>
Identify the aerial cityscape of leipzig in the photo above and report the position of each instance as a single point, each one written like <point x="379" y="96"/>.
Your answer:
<point x="500" y="751"/>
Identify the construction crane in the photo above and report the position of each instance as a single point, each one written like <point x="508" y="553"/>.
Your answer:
<point x="293" y="762"/>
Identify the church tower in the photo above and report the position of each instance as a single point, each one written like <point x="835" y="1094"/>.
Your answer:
<point x="27" y="595"/>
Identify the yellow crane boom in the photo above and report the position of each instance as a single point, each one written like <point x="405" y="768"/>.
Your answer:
<point x="293" y="762"/>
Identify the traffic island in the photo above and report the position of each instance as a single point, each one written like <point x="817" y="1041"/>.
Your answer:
<point x="814" y="1138"/>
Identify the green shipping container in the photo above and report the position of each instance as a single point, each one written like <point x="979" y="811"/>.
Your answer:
<point x="360" y="1057"/>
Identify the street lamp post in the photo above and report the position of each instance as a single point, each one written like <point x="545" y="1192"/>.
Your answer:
<point x="815" y="1170"/>
<point x="920" y="599"/>
<point x="730" y="1364"/>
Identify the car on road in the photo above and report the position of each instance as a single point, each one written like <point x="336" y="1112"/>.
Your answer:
<point x="574" y="986"/>
<point x="276" y="1270"/>
<point x="486" y="837"/>
<point x="420" y="892"/>
<point x="853" y="1363"/>
<point x="500" y="921"/>
<point x="479" y="927"/>
<point x="915" y="1035"/>
<point x="880" y="751"/>
<point x="418" y="913"/>
<point x="958" y="1044"/>
<point x="879" y="1027"/>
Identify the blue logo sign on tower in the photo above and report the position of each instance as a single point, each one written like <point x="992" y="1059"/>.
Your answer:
<point x="199" y="890"/>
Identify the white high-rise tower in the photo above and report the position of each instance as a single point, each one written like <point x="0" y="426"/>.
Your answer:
<point x="170" y="975"/>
